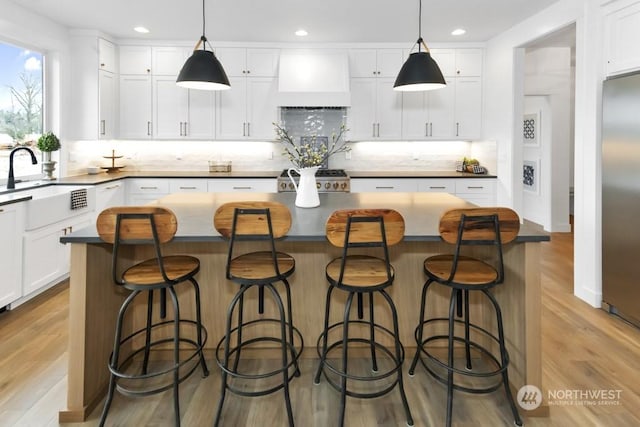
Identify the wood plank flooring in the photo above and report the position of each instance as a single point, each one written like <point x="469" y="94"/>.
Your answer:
<point x="583" y="349"/>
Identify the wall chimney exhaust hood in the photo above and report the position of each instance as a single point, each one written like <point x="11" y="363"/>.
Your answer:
<point x="313" y="78"/>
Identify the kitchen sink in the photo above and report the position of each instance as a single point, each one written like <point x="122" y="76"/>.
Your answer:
<point x="53" y="203"/>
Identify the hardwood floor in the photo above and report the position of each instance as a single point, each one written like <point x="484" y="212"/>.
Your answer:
<point x="584" y="349"/>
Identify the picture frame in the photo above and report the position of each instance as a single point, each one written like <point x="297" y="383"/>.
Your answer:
<point x="531" y="130"/>
<point x="531" y="176"/>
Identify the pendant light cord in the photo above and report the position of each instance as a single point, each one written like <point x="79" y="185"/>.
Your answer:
<point x="203" y="18"/>
<point x="419" y="20"/>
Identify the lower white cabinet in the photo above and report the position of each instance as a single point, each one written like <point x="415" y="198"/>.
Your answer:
<point x="46" y="260"/>
<point x="360" y="185"/>
<point x="187" y="185"/>
<point x="141" y="191"/>
<point x="109" y="194"/>
<point x="11" y="229"/>
<point x="480" y="191"/>
<point x="232" y="185"/>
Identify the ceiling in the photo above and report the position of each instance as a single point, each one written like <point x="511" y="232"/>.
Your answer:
<point x="277" y="20"/>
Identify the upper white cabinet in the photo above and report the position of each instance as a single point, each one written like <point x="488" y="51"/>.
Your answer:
<point x="107" y="56"/>
<point x="168" y="60"/>
<point x="135" y="107"/>
<point x="622" y="32"/>
<point x="376" y="110"/>
<point x="375" y="62"/>
<point x="107" y="100"/>
<point x="135" y="60"/>
<point x="251" y="62"/>
<point x="458" y="62"/>
<point x="468" y="107"/>
<point x="248" y="109"/>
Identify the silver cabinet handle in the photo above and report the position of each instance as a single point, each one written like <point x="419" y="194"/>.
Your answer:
<point x="431" y="129"/>
<point x="186" y="129"/>
<point x="112" y="187"/>
<point x="148" y="188"/>
<point x="244" y="129"/>
<point x="373" y="133"/>
<point x="242" y="188"/>
<point x="188" y="188"/>
<point x="103" y="127"/>
<point x="475" y="188"/>
<point x="384" y="188"/>
<point x="378" y="130"/>
<point x="149" y="128"/>
<point x="437" y="188"/>
<point x="248" y="128"/>
<point x="180" y="128"/>
<point x="426" y="129"/>
<point x="457" y="129"/>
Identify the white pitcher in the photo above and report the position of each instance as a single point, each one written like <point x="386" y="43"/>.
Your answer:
<point x="306" y="189"/>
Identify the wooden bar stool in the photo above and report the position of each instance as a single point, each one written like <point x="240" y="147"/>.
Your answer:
<point x="256" y="222"/>
<point x="491" y="227"/>
<point x="151" y="226"/>
<point x="366" y="272"/>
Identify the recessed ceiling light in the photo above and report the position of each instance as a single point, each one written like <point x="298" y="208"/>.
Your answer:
<point x="458" y="32"/>
<point x="301" y="33"/>
<point x="142" y="30"/>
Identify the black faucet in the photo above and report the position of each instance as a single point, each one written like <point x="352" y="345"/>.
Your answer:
<point x="11" y="182"/>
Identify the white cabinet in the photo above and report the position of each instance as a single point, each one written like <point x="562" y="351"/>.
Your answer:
<point x="187" y="185"/>
<point x="458" y="62"/>
<point x="622" y="32"/>
<point x="46" y="260"/>
<point x="11" y="229"/>
<point x="135" y="107"/>
<point x="436" y="185"/>
<point x="251" y="62"/>
<point x="107" y="56"/>
<point x="234" y="185"/>
<point x="468" y="107"/>
<point x="360" y="185"/>
<point x="248" y="109"/>
<point x="141" y="191"/>
<point x="108" y="195"/>
<point x="376" y="110"/>
<point x="429" y="114"/>
<point x="480" y="191"/>
<point x="375" y="62"/>
<point x="180" y="112"/>
<point x="107" y="99"/>
<point x="135" y="60"/>
<point x="168" y="60"/>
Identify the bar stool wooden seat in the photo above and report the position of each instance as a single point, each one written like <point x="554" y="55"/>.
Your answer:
<point x="150" y="226"/>
<point x="259" y="224"/>
<point x="367" y="272"/>
<point x="490" y="227"/>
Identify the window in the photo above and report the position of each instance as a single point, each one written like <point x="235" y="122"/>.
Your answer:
<point x="21" y="101"/>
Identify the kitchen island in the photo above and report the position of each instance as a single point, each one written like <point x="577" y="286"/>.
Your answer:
<point x="94" y="299"/>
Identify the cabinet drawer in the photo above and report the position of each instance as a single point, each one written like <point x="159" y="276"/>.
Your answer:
<point x="436" y="186"/>
<point x="145" y="185"/>
<point x="383" y="185"/>
<point x="240" y="185"/>
<point x="475" y="186"/>
<point x="187" y="185"/>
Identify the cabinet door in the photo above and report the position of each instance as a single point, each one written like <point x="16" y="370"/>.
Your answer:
<point x="11" y="253"/>
<point x="188" y="185"/>
<point x="108" y="195"/>
<point x="389" y="62"/>
<point x="415" y="120"/>
<point x="441" y="110"/>
<point x="106" y="56"/>
<point x="201" y="123"/>
<point x="622" y="31"/>
<point x="362" y="113"/>
<point x="468" y="62"/>
<point x="382" y="185"/>
<point x="231" y="117"/>
<point x="468" y="111"/>
<point x="362" y="63"/>
<point x="263" y="62"/>
<point x="446" y="60"/>
<point x="389" y="110"/>
<point x="107" y="101"/>
<point x="135" y="107"/>
<point x="431" y="185"/>
<point x="168" y="60"/>
<point x="135" y="60"/>
<point x="233" y="60"/>
<point x="262" y="110"/>
<point x="229" y="185"/>
<point x="170" y="108"/>
<point x="44" y="258"/>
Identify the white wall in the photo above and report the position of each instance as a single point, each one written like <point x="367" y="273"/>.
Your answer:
<point x="504" y="84"/>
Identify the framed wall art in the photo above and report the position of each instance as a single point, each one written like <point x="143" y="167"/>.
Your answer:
<point x="531" y="130"/>
<point x="530" y="175"/>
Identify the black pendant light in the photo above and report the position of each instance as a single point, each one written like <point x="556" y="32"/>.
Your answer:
<point x="420" y="72"/>
<point x="203" y="70"/>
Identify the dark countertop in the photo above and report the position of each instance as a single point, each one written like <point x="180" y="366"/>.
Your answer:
<point x="421" y="211"/>
<point x="416" y="174"/>
<point x="103" y="177"/>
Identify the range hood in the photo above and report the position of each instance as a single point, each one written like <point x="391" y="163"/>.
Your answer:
<point x="313" y="78"/>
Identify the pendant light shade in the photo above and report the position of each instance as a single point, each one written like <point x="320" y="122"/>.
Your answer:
<point x="203" y="70"/>
<point x="420" y="72"/>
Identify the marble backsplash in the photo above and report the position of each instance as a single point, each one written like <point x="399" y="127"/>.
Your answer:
<point x="260" y="155"/>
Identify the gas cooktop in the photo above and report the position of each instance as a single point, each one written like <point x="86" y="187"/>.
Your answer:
<point x="337" y="173"/>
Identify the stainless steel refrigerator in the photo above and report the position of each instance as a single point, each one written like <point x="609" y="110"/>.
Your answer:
<point x="621" y="196"/>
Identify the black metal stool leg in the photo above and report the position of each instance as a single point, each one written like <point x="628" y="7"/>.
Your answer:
<point x="285" y="352"/>
<point x="113" y="362"/>
<point x="147" y="340"/>
<point x="239" y="331"/>
<point x="467" y="345"/>
<point x="420" y="328"/>
<point x="399" y="355"/>
<point x="504" y="358"/>
<point x="203" y="363"/>
<point x="176" y="355"/>
<point x="323" y="353"/>
<point x="374" y="362"/>
<point x="345" y="347"/>
<point x="452" y="309"/>
<point x="290" y="317"/>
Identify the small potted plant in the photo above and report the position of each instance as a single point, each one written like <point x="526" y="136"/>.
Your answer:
<point x="47" y="143"/>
